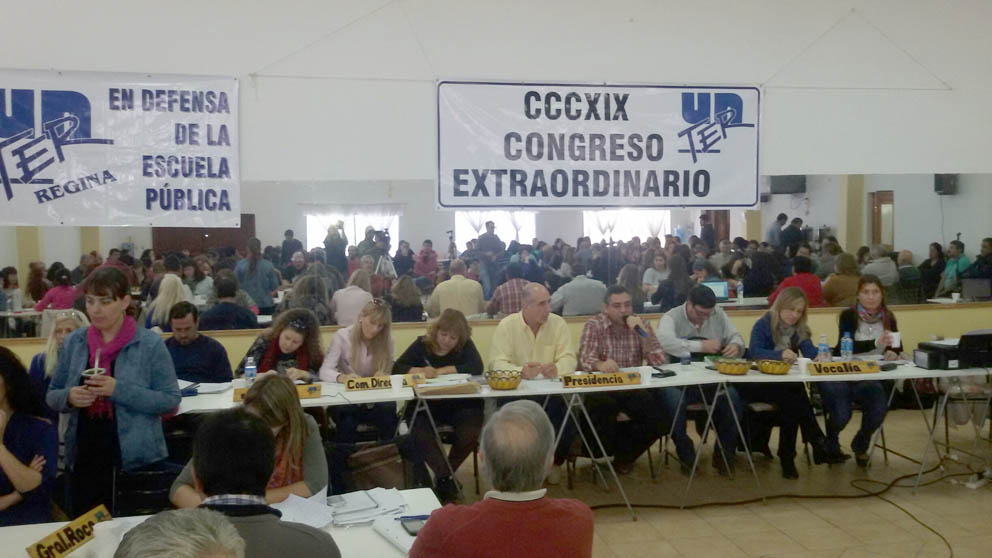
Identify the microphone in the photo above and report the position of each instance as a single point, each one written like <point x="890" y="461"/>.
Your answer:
<point x="640" y="331"/>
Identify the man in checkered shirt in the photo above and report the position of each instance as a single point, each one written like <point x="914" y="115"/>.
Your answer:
<point x="508" y="298"/>
<point x="612" y="340"/>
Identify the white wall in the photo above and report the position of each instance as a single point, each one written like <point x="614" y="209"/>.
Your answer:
<point x="60" y="244"/>
<point x="817" y="207"/>
<point x="922" y="217"/>
<point x="8" y="246"/>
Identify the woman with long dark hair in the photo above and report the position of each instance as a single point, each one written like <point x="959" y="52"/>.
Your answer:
<point x="258" y="277"/>
<point x="931" y="269"/>
<point x="28" y="448"/>
<point x="870" y="325"/>
<point x="115" y="408"/>
<point x="672" y="291"/>
<point x="291" y="347"/>
<point x="37" y="284"/>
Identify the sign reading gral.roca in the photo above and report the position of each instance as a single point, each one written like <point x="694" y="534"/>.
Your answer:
<point x="69" y="538"/>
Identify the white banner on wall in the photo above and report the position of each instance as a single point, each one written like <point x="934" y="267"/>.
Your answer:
<point x="573" y="145"/>
<point x="108" y="149"/>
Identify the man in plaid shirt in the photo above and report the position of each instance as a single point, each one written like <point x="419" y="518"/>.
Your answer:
<point x="612" y="340"/>
<point x="508" y="298"/>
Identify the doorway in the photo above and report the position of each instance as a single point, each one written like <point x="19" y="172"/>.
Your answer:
<point x="883" y="217"/>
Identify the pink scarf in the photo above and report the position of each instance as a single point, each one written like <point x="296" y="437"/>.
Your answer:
<point x="102" y="408"/>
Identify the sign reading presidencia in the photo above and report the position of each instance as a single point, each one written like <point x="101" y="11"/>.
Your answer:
<point x="573" y="145"/>
<point x="102" y="149"/>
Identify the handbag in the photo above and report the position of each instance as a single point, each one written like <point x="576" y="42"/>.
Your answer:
<point x="376" y="465"/>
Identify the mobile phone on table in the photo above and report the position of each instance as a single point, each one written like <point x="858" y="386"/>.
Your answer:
<point x="662" y="373"/>
<point x="412" y="526"/>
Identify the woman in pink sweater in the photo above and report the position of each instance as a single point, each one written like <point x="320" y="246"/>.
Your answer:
<point x="59" y="297"/>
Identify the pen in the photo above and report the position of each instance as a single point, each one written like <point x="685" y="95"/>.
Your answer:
<point x="412" y="517"/>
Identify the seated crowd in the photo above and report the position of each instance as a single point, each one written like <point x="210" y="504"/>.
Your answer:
<point x="113" y="380"/>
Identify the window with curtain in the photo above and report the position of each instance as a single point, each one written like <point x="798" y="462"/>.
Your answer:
<point x="624" y="224"/>
<point x="355" y="218"/>
<point x="510" y="225"/>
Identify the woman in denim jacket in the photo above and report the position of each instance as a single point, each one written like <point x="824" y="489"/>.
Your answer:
<point x="114" y="416"/>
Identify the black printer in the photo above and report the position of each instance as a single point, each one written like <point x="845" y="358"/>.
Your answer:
<point x="972" y="350"/>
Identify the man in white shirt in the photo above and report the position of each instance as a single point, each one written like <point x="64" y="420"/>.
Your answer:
<point x="459" y="292"/>
<point x="881" y="266"/>
<point x="579" y="297"/>
<point x="774" y="232"/>
<point x="722" y="257"/>
<point x="700" y="327"/>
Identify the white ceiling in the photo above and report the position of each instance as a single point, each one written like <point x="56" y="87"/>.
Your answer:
<point x="859" y="48"/>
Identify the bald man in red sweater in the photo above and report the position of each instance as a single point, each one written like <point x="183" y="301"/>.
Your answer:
<point x="516" y="518"/>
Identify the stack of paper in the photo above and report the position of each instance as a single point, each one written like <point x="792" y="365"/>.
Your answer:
<point x="354" y="508"/>
<point x="308" y="511"/>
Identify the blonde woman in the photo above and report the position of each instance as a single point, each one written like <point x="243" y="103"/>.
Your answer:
<point x="43" y="364"/>
<point x="170" y="292"/>
<point x="782" y="334"/>
<point x="360" y="350"/>
<point x="301" y="465"/>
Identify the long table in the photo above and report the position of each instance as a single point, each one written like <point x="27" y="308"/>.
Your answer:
<point x="687" y="376"/>
<point x="352" y="541"/>
<point x="332" y="394"/>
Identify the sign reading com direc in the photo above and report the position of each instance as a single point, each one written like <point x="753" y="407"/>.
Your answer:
<point x="572" y="145"/>
<point x="80" y="148"/>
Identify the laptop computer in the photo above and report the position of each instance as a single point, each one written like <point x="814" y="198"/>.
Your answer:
<point x="720" y="288"/>
<point x="976" y="289"/>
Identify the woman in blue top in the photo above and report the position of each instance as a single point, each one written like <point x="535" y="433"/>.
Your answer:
<point x="257" y="277"/>
<point x="114" y="418"/>
<point x="28" y="448"/>
<point x="782" y="334"/>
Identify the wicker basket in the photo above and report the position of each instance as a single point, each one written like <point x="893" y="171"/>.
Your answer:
<point x="503" y="379"/>
<point x="776" y="367"/>
<point x="732" y="366"/>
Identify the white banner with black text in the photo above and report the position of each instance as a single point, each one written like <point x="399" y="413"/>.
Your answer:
<point x="572" y="145"/>
<point x="109" y="149"/>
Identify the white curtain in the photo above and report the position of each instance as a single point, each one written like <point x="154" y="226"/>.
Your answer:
<point x="476" y="219"/>
<point x="606" y="221"/>
<point x="657" y="222"/>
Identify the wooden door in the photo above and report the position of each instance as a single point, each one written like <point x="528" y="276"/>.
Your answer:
<point x="720" y="218"/>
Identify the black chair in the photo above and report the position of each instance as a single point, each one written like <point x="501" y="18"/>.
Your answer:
<point x="144" y="492"/>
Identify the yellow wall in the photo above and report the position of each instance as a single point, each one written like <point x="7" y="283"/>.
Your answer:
<point x="917" y="323"/>
<point x="28" y="250"/>
<point x="752" y="225"/>
<point x="89" y="239"/>
<point x="850" y="212"/>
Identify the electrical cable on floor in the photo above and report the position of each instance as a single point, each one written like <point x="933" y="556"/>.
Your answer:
<point x="853" y="483"/>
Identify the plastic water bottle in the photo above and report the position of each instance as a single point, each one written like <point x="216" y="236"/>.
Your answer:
<point x="740" y="292"/>
<point x="686" y="357"/>
<point x="847" y="346"/>
<point x="823" y="348"/>
<point x="251" y="372"/>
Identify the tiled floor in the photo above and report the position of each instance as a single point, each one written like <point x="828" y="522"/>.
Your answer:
<point x="809" y="517"/>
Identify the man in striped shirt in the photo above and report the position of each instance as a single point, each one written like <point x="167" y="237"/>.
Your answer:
<point x="612" y="340"/>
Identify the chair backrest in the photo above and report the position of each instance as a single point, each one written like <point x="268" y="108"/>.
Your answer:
<point x="142" y="492"/>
